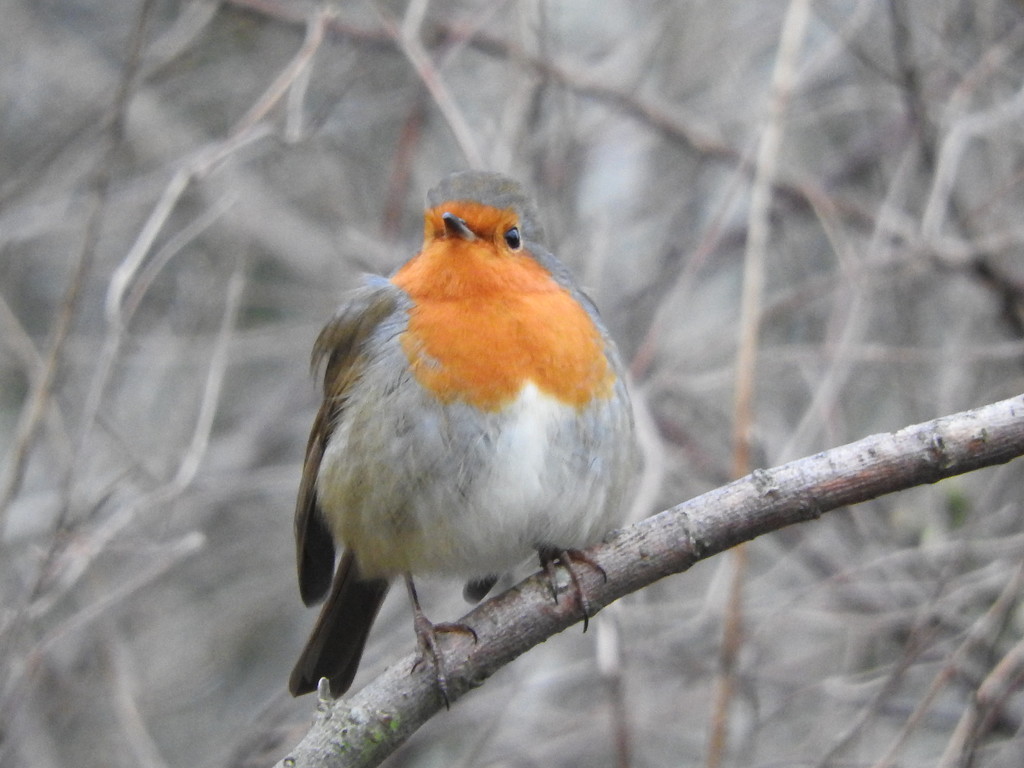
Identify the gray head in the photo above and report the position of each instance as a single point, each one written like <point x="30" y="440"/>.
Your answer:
<point x="492" y="189"/>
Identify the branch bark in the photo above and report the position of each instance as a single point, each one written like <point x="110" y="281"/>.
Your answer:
<point x="363" y="729"/>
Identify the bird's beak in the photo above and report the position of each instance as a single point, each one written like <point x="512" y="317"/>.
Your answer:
<point x="453" y="225"/>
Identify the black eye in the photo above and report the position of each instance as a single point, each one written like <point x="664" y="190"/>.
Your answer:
<point x="513" y="240"/>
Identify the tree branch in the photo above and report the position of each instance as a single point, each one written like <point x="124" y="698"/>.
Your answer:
<point x="364" y="728"/>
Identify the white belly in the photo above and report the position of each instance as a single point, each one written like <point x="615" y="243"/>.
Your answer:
<point x="465" y="494"/>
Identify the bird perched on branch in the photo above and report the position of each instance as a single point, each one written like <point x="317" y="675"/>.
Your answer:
<point x="475" y="411"/>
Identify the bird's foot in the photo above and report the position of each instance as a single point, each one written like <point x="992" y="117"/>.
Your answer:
<point x="568" y="558"/>
<point x="426" y="637"/>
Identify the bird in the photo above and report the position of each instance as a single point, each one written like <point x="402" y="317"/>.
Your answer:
<point x="475" y="412"/>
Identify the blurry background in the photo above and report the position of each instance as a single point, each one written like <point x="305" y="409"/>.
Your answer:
<point x="187" y="189"/>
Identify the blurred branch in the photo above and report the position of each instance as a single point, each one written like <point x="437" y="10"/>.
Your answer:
<point x="758" y="230"/>
<point x="982" y="635"/>
<point x="1004" y="681"/>
<point x="610" y="663"/>
<point x="952" y="151"/>
<point x="66" y="564"/>
<point x="42" y="385"/>
<point x="409" y="141"/>
<point x="200" y="441"/>
<point x="920" y="638"/>
<point x="64" y="569"/>
<point x="365" y="728"/>
<point x="77" y="625"/>
<point x="910" y="79"/>
<point x="18" y="340"/>
<point x="942" y="205"/>
<point x="664" y="118"/>
<point x="293" y="77"/>
<point x="132" y="270"/>
<point x="1008" y="289"/>
<point x="140" y="743"/>
<point x="407" y="37"/>
<point x="659" y="117"/>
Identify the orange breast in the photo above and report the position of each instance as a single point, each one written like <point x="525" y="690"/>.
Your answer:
<point x="485" y="323"/>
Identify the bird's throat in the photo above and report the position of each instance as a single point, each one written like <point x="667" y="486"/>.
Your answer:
<point x="481" y="335"/>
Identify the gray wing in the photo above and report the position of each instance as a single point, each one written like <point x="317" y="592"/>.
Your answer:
<point x="341" y="344"/>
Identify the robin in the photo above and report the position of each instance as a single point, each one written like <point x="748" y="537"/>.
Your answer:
<point x="475" y="411"/>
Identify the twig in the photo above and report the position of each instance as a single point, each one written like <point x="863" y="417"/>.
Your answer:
<point x="18" y="340"/>
<point x="292" y="75"/>
<point x="921" y="636"/>
<point x="791" y="41"/>
<point x="169" y="556"/>
<point x="35" y="407"/>
<point x="983" y="630"/>
<point x="408" y="40"/>
<point x="1000" y="683"/>
<point x="363" y="729"/>
<point x="63" y="568"/>
<point x="211" y="393"/>
<point x="247" y="130"/>
<point x="409" y="141"/>
<point x="951" y="153"/>
<point x="610" y="662"/>
<point x="664" y="118"/>
<point x="138" y="740"/>
<point x="71" y="563"/>
<point x="910" y="79"/>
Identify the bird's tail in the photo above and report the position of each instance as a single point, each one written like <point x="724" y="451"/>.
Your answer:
<point x="336" y="644"/>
